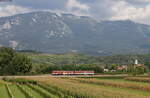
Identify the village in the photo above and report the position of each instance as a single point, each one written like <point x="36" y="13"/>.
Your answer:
<point x="123" y="68"/>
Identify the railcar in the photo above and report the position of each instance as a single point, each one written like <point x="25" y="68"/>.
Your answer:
<point x="73" y="72"/>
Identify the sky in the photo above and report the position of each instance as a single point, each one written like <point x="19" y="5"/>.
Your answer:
<point x="135" y="10"/>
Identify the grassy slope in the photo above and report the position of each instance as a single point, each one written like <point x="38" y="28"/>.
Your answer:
<point x="44" y="91"/>
<point x="3" y="91"/>
<point x="79" y="58"/>
<point x="120" y="83"/>
<point x="122" y="89"/>
<point x="80" y="88"/>
<point x="125" y="81"/>
<point x="16" y="92"/>
<point x="34" y="93"/>
<point x="62" y="59"/>
<point x="92" y="89"/>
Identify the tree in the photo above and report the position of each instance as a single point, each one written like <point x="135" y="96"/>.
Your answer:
<point x="136" y="70"/>
<point x="6" y="55"/>
<point x="21" y="64"/>
<point x="147" y="64"/>
<point x="112" y="66"/>
<point x="139" y="70"/>
<point x="12" y="63"/>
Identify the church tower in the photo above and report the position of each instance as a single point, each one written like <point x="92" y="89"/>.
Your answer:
<point x="136" y="61"/>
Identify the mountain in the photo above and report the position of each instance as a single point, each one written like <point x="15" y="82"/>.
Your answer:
<point x="62" y="33"/>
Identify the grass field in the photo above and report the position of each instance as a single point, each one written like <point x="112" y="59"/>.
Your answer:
<point x="73" y="87"/>
<point x="14" y="90"/>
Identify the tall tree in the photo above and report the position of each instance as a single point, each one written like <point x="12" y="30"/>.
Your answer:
<point x="12" y="63"/>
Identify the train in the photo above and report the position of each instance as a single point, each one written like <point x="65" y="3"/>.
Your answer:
<point x="73" y="72"/>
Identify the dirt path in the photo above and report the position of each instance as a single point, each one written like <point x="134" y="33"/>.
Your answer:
<point x="49" y="75"/>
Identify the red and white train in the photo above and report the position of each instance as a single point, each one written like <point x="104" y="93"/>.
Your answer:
<point x="73" y="72"/>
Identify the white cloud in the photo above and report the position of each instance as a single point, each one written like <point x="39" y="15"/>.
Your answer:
<point x="74" y="4"/>
<point x="123" y="10"/>
<point x="77" y="8"/>
<point x="136" y="10"/>
<point x="144" y="1"/>
<point x="8" y="10"/>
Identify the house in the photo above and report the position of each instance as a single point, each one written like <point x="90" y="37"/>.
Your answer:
<point x="106" y="70"/>
<point x="122" y="67"/>
<point x="139" y="65"/>
<point x="113" y="70"/>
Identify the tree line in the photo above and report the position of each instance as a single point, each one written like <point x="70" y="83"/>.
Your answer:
<point x="17" y="63"/>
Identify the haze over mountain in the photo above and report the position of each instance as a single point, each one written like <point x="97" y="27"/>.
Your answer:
<point x="63" y="33"/>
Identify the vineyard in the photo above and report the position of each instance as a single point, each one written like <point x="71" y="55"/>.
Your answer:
<point x="28" y="89"/>
<point x="73" y="87"/>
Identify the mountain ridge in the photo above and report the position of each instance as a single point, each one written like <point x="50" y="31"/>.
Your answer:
<point x="52" y="33"/>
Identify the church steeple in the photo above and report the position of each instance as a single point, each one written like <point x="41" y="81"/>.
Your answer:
<point x="136" y="61"/>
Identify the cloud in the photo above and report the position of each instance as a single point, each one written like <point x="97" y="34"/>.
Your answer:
<point x="74" y="4"/>
<point x="136" y="10"/>
<point x="123" y="10"/>
<point x="77" y="8"/>
<point x="143" y="0"/>
<point x="140" y="1"/>
<point x="101" y="9"/>
<point x="8" y="10"/>
<point x="42" y="4"/>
